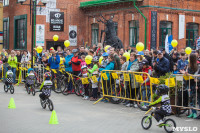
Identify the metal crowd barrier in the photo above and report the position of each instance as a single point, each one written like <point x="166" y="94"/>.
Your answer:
<point x="126" y="85"/>
<point x="186" y="93"/>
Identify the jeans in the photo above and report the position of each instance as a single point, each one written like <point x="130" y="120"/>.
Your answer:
<point x="145" y="96"/>
<point x="14" y="74"/>
<point x="192" y="95"/>
<point x="95" y="90"/>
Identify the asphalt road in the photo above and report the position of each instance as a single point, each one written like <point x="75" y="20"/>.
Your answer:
<point x="74" y="115"/>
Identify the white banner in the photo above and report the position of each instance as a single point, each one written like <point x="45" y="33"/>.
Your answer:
<point x="181" y="26"/>
<point x="73" y="35"/>
<point x="40" y="29"/>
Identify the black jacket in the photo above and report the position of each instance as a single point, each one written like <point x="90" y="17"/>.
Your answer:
<point x="162" y="67"/>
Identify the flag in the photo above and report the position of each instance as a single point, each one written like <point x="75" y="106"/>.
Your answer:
<point x="168" y="46"/>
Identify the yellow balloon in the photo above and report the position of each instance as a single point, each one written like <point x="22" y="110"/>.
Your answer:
<point x="140" y="46"/>
<point x="174" y="43"/>
<point x="127" y="55"/>
<point x="88" y="57"/>
<point x="67" y="43"/>
<point x="106" y="48"/>
<point x="55" y="37"/>
<point x="39" y="49"/>
<point x="188" y="50"/>
<point x="87" y="61"/>
<point x="100" y="60"/>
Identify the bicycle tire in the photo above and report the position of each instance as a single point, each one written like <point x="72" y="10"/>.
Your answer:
<point x="174" y="125"/>
<point x="12" y="90"/>
<point x="51" y="107"/>
<point x="5" y="88"/>
<point x="116" y="100"/>
<point x="76" y="89"/>
<point x="65" y="90"/>
<point x="63" y="84"/>
<point x="139" y="104"/>
<point x="33" y="90"/>
<point x="43" y="104"/>
<point x="55" y="87"/>
<point x="143" y="120"/>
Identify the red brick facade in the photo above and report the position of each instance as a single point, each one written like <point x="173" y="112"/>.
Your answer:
<point x="167" y="10"/>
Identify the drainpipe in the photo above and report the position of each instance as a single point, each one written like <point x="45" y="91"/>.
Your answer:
<point x="145" y="30"/>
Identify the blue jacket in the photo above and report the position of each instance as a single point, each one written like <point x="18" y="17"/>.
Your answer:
<point x="182" y="64"/>
<point x="110" y="66"/>
<point x="54" y="63"/>
<point x="162" y="67"/>
<point x="68" y="67"/>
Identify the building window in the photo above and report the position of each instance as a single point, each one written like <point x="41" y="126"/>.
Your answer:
<point x="116" y="27"/>
<point x="95" y="34"/>
<point x="6" y="33"/>
<point x="20" y="36"/>
<point x="5" y="2"/>
<point x="192" y="30"/>
<point x="165" y="29"/>
<point x="133" y="32"/>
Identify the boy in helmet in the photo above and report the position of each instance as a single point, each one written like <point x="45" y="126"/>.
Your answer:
<point x="30" y="79"/>
<point x="9" y="76"/>
<point x="105" y="60"/>
<point x="164" y="99"/>
<point x="46" y="86"/>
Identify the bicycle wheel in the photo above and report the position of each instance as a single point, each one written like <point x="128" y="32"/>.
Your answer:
<point x="43" y="104"/>
<point x="65" y="90"/>
<point x="63" y="84"/>
<point x="170" y="125"/>
<point x="116" y="92"/>
<point x="142" y="105"/>
<point x="55" y="86"/>
<point x="146" y="122"/>
<point x="5" y="88"/>
<point x="77" y="87"/>
<point x="12" y="89"/>
<point x="50" y="105"/>
<point x="33" y="90"/>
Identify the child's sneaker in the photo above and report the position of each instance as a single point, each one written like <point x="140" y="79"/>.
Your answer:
<point x="160" y="122"/>
<point x="129" y="105"/>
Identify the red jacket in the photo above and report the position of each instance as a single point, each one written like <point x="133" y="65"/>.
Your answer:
<point x="146" y="70"/>
<point x="76" y="63"/>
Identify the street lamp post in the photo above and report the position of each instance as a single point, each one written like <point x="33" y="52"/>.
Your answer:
<point x="33" y="5"/>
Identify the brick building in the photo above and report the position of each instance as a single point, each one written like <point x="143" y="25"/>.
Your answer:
<point x="158" y="18"/>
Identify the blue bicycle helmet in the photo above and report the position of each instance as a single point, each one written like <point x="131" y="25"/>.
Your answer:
<point x="30" y="69"/>
<point x="140" y="53"/>
<point x="105" y="54"/>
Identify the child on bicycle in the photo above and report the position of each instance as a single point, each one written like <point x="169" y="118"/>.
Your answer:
<point x="9" y="76"/>
<point x="30" y="79"/>
<point x="46" y="86"/>
<point x="164" y="99"/>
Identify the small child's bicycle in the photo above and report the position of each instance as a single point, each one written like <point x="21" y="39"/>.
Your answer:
<point x="47" y="102"/>
<point x="31" y="89"/>
<point x="168" y="124"/>
<point x="9" y="87"/>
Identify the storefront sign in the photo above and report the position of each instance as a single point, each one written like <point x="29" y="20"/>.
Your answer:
<point x="73" y="35"/>
<point x="56" y="21"/>
<point x="153" y="29"/>
<point x="40" y="29"/>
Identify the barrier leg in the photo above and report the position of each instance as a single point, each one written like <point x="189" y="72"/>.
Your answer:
<point x="98" y="100"/>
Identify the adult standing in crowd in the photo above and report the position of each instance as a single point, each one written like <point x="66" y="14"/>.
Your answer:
<point x="12" y="61"/>
<point x="161" y="67"/>
<point x="76" y="62"/>
<point x="116" y="58"/>
<point x="99" y="50"/>
<point x="25" y="57"/>
<point x="68" y="67"/>
<point x="182" y="63"/>
<point x="82" y="51"/>
<point x="19" y="56"/>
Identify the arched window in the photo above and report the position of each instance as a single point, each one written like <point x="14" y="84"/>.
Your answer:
<point x="192" y="33"/>
<point x="133" y="32"/>
<point x="165" y="29"/>
<point x="95" y="34"/>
